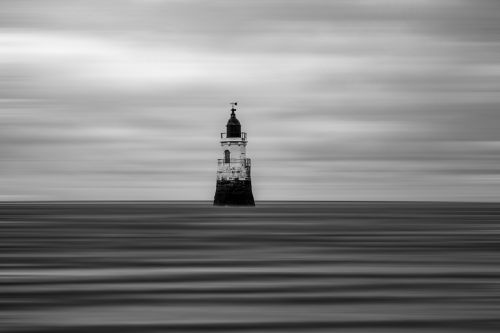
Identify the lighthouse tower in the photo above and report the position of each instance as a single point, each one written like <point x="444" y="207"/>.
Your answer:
<point x="234" y="186"/>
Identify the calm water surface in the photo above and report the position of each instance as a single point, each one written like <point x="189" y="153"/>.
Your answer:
<point x="278" y="267"/>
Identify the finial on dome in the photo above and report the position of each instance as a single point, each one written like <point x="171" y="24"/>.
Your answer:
<point x="233" y="108"/>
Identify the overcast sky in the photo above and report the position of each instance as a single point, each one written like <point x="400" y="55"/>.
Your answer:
<point x="342" y="100"/>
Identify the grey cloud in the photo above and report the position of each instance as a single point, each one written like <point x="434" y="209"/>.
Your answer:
<point x="342" y="99"/>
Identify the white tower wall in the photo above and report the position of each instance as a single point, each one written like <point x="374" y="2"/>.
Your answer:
<point x="238" y="166"/>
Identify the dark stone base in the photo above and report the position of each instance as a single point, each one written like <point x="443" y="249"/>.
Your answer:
<point x="234" y="193"/>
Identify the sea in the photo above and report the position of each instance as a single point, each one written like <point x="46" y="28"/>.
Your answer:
<point x="277" y="267"/>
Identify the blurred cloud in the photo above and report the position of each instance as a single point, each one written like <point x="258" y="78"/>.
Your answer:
<point x="342" y="100"/>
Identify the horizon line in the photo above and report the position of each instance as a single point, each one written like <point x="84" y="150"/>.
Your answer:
<point x="262" y="201"/>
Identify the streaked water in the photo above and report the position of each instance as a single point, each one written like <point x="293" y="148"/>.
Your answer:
<point x="278" y="267"/>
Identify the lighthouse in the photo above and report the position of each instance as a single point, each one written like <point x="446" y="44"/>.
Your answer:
<point x="234" y="185"/>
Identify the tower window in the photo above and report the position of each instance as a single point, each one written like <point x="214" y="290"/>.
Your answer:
<point x="227" y="156"/>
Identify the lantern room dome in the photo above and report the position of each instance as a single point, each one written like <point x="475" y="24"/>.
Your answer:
<point x="233" y="127"/>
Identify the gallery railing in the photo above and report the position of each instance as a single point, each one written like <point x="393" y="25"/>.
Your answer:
<point x="243" y="136"/>
<point x="244" y="162"/>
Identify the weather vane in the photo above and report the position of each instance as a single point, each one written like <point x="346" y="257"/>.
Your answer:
<point x="233" y="107"/>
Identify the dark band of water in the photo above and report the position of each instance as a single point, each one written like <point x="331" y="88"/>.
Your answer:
<point x="278" y="267"/>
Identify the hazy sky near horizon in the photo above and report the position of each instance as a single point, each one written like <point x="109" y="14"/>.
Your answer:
<point x="342" y="100"/>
